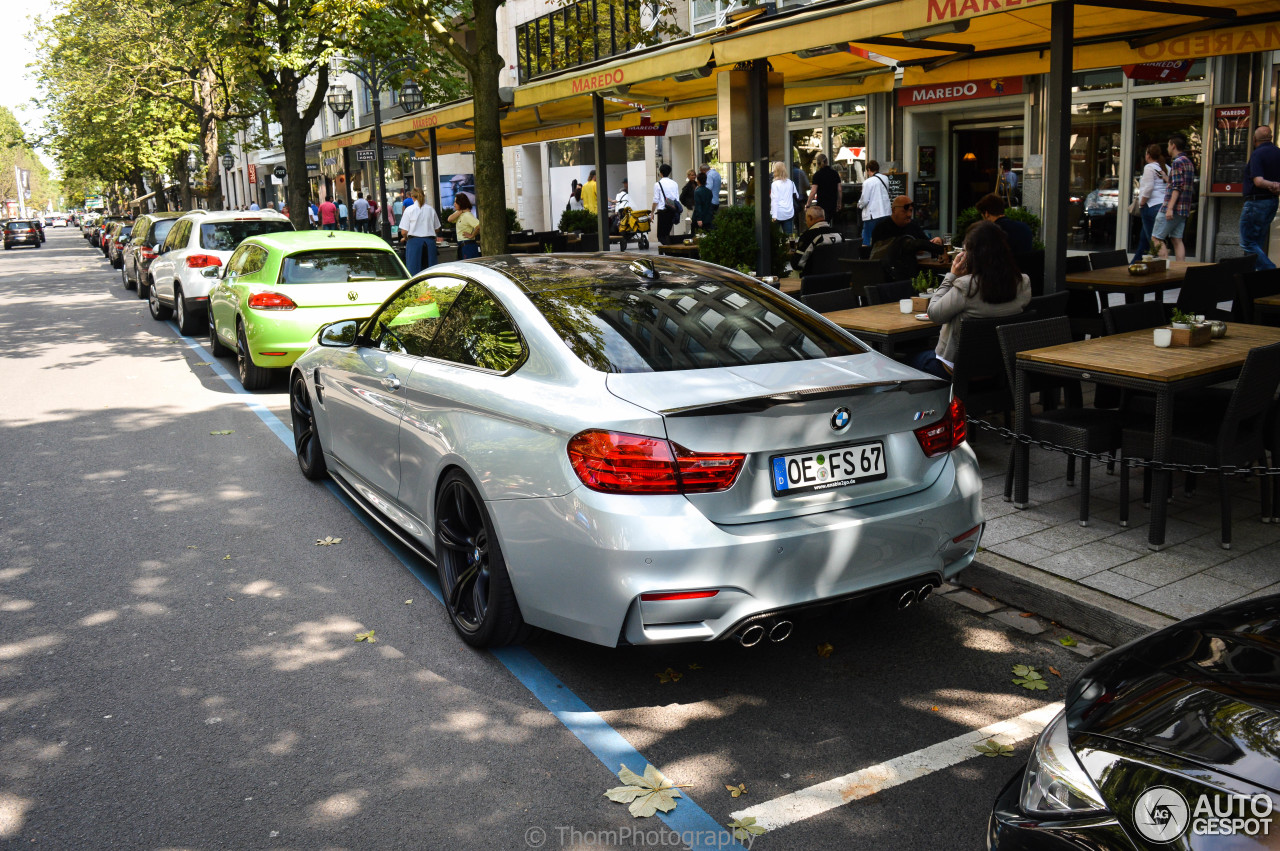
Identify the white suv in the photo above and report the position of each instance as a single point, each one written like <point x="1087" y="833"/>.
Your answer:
<point x="191" y="258"/>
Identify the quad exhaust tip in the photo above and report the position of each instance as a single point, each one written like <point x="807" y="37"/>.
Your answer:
<point x="780" y="631"/>
<point x="751" y="636"/>
<point x="924" y="592"/>
<point x="907" y="599"/>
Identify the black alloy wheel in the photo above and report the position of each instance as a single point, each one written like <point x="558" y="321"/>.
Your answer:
<point x="252" y="376"/>
<point x="473" y="572"/>
<point x="306" y="442"/>
<point x="159" y="311"/>
<point x="216" y="346"/>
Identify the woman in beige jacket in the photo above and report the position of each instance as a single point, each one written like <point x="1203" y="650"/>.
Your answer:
<point x="984" y="281"/>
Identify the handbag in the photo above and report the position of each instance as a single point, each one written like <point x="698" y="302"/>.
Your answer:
<point x="673" y="205"/>
<point x="1135" y="206"/>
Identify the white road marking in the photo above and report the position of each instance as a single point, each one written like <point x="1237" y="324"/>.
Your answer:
<point x="818" y="799"/>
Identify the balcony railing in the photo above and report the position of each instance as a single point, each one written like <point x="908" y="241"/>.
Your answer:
<point x="576" y="34"/>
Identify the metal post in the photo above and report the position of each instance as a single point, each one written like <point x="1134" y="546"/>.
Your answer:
<point x="346" y="181"/>
<point x="602" y="182"/>
<point x="759" y="108"/>
<point x="1057" y="134"/>
<point x="384" y="227"/>
<point x="435" y="169"/>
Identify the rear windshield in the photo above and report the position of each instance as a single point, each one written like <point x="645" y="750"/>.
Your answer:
<point x="341" y="266"/>
<point x="225" y="236"/>
<point x="161" y="230"/>
<point x="125" y="230"/>
<point x="693" y="326"/>
<point x="15" y="226"/>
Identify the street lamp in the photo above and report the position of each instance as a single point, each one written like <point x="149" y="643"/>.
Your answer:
<point x="340" y="100"/>
<point x="228" y="162"/>
<point x="411" y="96"/>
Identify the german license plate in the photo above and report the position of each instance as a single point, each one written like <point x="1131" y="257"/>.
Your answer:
<point x="833" y="467"/>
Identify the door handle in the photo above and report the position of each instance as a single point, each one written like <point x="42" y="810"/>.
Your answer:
<point x="391" y="382"/>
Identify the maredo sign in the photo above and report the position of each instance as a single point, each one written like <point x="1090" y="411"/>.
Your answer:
<point x="968" y="90"/>
<point x="946" y="10"/>
<point x="592" y="82"/>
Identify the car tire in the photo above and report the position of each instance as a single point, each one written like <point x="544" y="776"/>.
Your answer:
<point x="252" y="376"/>
<point x="306" y="440"/>
<point x="158" y="310"/>
<point x="216" y="347"/>
<point x="143" y="287"/>
<point x="473" y="573"/>
<point x="124" y="279"/>
<point x="189" y="324"/>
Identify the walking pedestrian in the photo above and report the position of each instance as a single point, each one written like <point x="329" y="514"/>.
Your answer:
<point x="1261" y="185"/>
<point x="1172" y="220"/>
<point x="666" y="203"/>
<point x="686" y="194"/>
<point x="714" y="180"/>
<point x="344" y="220"/>
<point x="313" y="213"/>
<point x="875" y="202"/>
<point x="327" y="215"/>
<point x="1152" y="188"/>
<point x="468" y="227"/>
<point x="826" y="188"/>
<point x="591" y="194"/>
<point x="783" y="199"/>
<point x="418" y="227"/>
<point x="374" y="228"/>
<point x="703" y="215"/>
<point x="362" y="213"/>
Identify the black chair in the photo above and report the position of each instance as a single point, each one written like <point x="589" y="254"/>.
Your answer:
<point x="1123" y="318"/>
<point x="1087" y="429"/>
<point x="826" y="302"/>
<point x="1215" y="438"/>
<point x="1082" y="306"/>
<point x="978" y="375"/>
<point x="1050" y="306"/>
<point x="1203" y="287"/>
<point x="1031" y="264"/>
<point x="1251" y="286"/>
<point x="888" y="293"/>
<point x="863" y="273"/>
<point x="824" y="283"/>
<point x="1108" y="259"/>
<point x="826" y="259"/>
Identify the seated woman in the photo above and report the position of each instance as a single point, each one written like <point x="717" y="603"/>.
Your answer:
<point x="984" y="281"/>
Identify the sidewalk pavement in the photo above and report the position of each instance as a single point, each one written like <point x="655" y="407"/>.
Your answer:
<point x="1102" y="580"/>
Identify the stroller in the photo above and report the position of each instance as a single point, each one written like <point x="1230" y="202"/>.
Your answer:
<point x="633" y="223"/>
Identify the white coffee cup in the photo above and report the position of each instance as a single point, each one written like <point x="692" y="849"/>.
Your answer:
<point x="1163" y="337"/>
<point x="904" y="305"/>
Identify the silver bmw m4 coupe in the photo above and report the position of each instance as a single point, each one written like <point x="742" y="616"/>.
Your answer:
<point x="634" y="450"/>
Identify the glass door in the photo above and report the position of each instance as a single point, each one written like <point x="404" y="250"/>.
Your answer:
<point x="1155" y="119"/>
<point x="1094" y="183"/>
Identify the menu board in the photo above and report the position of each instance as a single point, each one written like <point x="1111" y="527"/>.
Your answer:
<point x="897" y="183"/>
<point x="1231" y="144"/>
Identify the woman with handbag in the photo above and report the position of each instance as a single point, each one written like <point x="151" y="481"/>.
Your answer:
<point x="782" y="199"/>
<point x="1150" y="195"/>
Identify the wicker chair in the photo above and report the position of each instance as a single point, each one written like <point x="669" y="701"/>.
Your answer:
<point x="978" y="375"/>
<point x="1087" y="429"/>
<point x="1214" y="438"/>
<point x="1133" y="317"/>
<point x="1051" y="305"/>
<point x="1251" y="286"/>
<point x="888" y="293"/>
<point x="832" y="300"/>
<point x="824" y="283"/>
<point x="1108" y="259"/>
<point x="1082" y="305"/>
<point x="1203" y="287"/>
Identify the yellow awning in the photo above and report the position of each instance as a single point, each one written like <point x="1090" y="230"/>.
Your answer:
<point x="439" y="116"/>
<point x="625" y="70"/>
<point x="335" y="143"/>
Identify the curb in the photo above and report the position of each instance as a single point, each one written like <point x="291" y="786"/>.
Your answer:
<point x="1069" y="604"/>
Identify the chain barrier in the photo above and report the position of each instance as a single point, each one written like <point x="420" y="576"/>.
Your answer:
<point x="1164" y="466"/>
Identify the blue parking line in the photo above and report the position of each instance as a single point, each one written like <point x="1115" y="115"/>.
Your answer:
<point x="695" y="826"/>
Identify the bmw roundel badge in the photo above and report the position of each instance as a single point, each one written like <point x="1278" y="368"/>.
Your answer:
<point x="840" y="418"/>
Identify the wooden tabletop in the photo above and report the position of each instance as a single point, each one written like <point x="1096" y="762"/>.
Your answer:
<point x="885" y="319"/>
<point x="790" y="286"/>
<point x="1118" y="277"/>
<point x="1268" y="300"/>
<point x="935" y="264"/>
<point x="1135" y="355"/>
<point x="679" y="249"/>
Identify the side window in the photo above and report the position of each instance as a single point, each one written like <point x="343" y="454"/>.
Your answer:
<point x="255" y="257"/>
<point x="171" y="241"/>
<point x="236" y="264"/>
<point x="478" y="332"/>
<point x="140" y="230"/>
<point x="409" y="321"/>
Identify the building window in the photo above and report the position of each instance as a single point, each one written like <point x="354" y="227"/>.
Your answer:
<point x="366" y="100"/>
<point x="581" y="32"/>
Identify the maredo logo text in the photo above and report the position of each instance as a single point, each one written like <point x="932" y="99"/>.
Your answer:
<point x="944" y="10"/>
<point x="598" y="81"/>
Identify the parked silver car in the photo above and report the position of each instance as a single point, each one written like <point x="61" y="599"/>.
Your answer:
<point x="636" y="451"/>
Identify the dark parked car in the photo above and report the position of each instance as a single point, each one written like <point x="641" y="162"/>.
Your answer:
<point x="117" y="238"/>
<point x="1171" y="742"/>
<point x="149" y="231"/>
<point x="21" y="232"/>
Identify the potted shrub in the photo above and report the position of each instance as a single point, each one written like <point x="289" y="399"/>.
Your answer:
<point x="923" y="284"/>
<point x="732" y="241"/>
<point x="513" y="221"/>
<point x="1182" y="320"/>
<point x="583" y="222"/>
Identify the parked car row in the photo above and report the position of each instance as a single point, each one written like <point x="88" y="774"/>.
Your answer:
<point x="22" y="232"/>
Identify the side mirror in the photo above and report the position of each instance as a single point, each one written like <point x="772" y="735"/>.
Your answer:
<point x="156" y="249"/>
<point x="212" y="271"/>
<point x="339" y="334"/>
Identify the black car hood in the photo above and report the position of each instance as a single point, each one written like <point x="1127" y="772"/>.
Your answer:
<point x="1206" y="689"/>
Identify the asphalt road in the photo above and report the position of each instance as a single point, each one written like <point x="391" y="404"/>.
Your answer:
<point x="178" y="666"/>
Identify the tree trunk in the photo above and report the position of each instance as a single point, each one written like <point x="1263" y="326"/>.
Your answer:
<point x="293" y="138"/>
<point x="182" y="175"/>
<point x="158" y="194"/>
<point x="212" y="178"/>
<point x="491" y="188"/>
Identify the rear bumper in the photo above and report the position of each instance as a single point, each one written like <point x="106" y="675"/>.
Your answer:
<point x="292" y="331"/>
<point x="580" y="562"/>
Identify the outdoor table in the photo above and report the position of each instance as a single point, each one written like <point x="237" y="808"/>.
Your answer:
<point x="883" y="325"/>
<point x="1133" y="361"/>
<point x="524" y="247"/>
<point x="1116" y="279"/>
<point x="679" y="249"/>
<point x="935" y="264"/>
<point x="1268" y="307"/>
<point x="790" y="286"/>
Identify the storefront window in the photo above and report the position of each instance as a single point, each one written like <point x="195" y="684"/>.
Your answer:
<point x="844" y="159"/>
<point x="1195" y="74"/>
<point x="1155" y="120"/>
<point x="1097" y="80"/>
<point x="806" y="143"/>
<point x="808" y="112"/>
<point x="1094" y="187"/>
<point x="853" y="106"/>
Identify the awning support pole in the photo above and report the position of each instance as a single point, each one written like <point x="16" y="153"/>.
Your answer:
<point x="602" y="170"/>
<point x="435" y="167"/>
<point x="1057" y="133"/>
<point x="758" y="89"/>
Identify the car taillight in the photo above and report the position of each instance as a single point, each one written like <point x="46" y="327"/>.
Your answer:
<point x="202" y="261"/>
<point x="614" y="462"/>
<point x="271" y="301"/>
<point x="946" y="434"/>
<point x="148" y="254"/>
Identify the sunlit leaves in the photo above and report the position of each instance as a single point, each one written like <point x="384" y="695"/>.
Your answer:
<point x="366" y="636"/>
<point x="746" y="828"/>
<point x="1029" y="678"/>
<point x="646" y="795"/>
<point x="993" y="748"/>
<point x="737" y="791"/>
<point x="327" y="541"/>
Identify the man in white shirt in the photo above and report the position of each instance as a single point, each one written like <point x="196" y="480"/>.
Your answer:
<point x="254" y="206"/>
<point x="664" y="192"/>
<point x="875" y="203"/>
<point x="418" y="226"/>
<point x="623" y="198"/>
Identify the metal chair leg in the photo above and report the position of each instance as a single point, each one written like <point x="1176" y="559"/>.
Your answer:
<point x="1224" y="496"/>
<point x="1008" y="477"/>
<point x="1124" y="491"/>
<point x="1071" y="470"/>
<point x="1084" y="491"/>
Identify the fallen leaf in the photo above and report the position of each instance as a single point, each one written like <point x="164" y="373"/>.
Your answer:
<point x="327" y="541"/>
<point x="1026" y="615"/>
<point x="190" y="547"/>
<point x="408" y="602"/>
<point x="1029" y="678"/>
<point x="746" y="828"/>
<point x="737" y="791"/>
<point x="1055" y="671"/>
<point x="226" y="558"/>
<point x="933" y="709"/>
<point x="825" y="650"/>
<point x="224" y="431"/>
<point x="232" y="599"/>
<point x="1067" y="641"/>
<point x="993" y="748"/>
<point x="646" y="795"/>
<point x="694" y="666"/>
<point x="366" y="636"/>
<point x="670" y="675"/>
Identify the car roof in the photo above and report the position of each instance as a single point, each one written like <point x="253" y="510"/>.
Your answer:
<point x="241" y="215"/>
<point x="535" y="273"/>
<point x="289" y="241"/>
